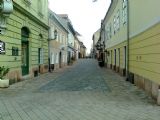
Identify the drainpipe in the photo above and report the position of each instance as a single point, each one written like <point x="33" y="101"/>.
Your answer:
<point x="127" y="79"/>
<point x="49" y="57"/>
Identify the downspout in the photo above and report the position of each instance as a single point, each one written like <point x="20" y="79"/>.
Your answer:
<point x="127" y="40"/>
<point x="104" y="45"/>
<point x="49" y="59"/>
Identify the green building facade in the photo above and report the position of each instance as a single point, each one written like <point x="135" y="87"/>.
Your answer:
<point x="26" y="39"/>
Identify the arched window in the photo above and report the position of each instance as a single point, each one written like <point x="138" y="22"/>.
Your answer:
<point x="25" y="33"/>
<point x="25" y="50"/>
<point x="40" y="40"/>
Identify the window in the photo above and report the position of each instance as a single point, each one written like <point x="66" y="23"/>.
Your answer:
<point x="57" y="57"/>
<point x="60" y="38"/>
<point x="40" y="7"/>
<point x="57" y="37"/>
<point x="52" y="58"/>
<point x="108" y="36"/>
<point x="41" y="55"/>
<point x="63" y="39"/>
<point x="106" y="32"/>
<point x="27" y="2"/>
<point x="124" y="12"/>
<point x="114" y="25"/>
<point x="15" y="51"/>
<point x="110" y="31"/>
<point x="118" y="21"/>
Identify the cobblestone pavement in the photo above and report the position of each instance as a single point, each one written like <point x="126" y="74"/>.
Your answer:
<point x="79" y="92"/>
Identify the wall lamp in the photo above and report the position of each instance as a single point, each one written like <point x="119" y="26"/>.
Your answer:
<point x="100" y="46"/>
<point x="6" y="8"/>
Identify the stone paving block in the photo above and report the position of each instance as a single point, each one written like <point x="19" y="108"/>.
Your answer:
<point x="83" y="91"/>
<point x="4" y="112"/>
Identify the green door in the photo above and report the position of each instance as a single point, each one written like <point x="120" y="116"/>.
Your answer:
<point x="25" y="58"/>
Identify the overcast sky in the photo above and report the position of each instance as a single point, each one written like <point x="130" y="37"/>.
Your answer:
<point x="85" y="15"/>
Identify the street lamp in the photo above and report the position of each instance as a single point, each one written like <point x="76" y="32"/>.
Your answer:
<point x="100" y="46"/>
<point x="6" y="8"/>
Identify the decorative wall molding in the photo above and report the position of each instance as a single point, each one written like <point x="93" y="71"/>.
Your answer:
<point x="27" y="2"/>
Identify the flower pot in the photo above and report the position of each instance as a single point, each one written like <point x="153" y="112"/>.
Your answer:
<point x="4" y="83"/>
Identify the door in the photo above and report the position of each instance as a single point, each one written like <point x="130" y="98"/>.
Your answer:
<point x="115" y="58"/>
<point x="111" y="59"/>
<point x="39" y="66"/>
<point x="119" y="57"/>
<point x="125" y="61"/>
<point x="60" y="60"/>
<point x="25" y="58"/>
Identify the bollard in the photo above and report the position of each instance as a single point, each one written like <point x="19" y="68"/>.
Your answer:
<point x="158" y="98"/>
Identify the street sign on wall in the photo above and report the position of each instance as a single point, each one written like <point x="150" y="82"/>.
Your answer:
<point x="2" y="47"/>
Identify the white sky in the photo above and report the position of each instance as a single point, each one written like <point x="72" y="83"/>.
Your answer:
<point x="85" y="15"/>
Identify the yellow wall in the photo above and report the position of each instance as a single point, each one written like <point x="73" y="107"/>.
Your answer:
<point x="144" y="47"/>
<point x="144" y="54"/>
<point x="122" y="55"/>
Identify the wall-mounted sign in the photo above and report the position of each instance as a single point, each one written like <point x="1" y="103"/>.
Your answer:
<point x="2" y="47"/>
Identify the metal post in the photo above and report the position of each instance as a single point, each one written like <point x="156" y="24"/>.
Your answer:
<point x="127" y="40"/>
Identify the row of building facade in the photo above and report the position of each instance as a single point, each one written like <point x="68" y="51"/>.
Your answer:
<point x="128" y="42"/>
<point x="35" y="40"/>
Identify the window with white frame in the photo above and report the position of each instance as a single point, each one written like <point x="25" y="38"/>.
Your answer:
<point x="41" y="51"/>
<point x="124" y="12"/>
<point x="63" y="39"/>
<point x="52" y="58"/>
<point x="110" y="31"/>
<point x="106" y="32"/>
<point x="40" y="8"/>
<point x="114" y="25"/>
<point x="60" y="39"/>
<point x="57" y="57"/>
<point x="118" y="21"/>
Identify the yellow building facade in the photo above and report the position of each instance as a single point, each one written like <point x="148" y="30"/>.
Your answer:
<point x="116" y="37"/>
<point x="144" y="45"/>
<point x="132" y="33"/>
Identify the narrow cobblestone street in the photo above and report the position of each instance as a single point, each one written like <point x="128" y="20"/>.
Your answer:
<point x="83" y="91"/>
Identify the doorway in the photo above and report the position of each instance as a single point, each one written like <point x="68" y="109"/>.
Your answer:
<point x="25" y="51"/>
<point x="60" y="60"/>
<point x="125" y="55"/>
<point x="115" y="58"/>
